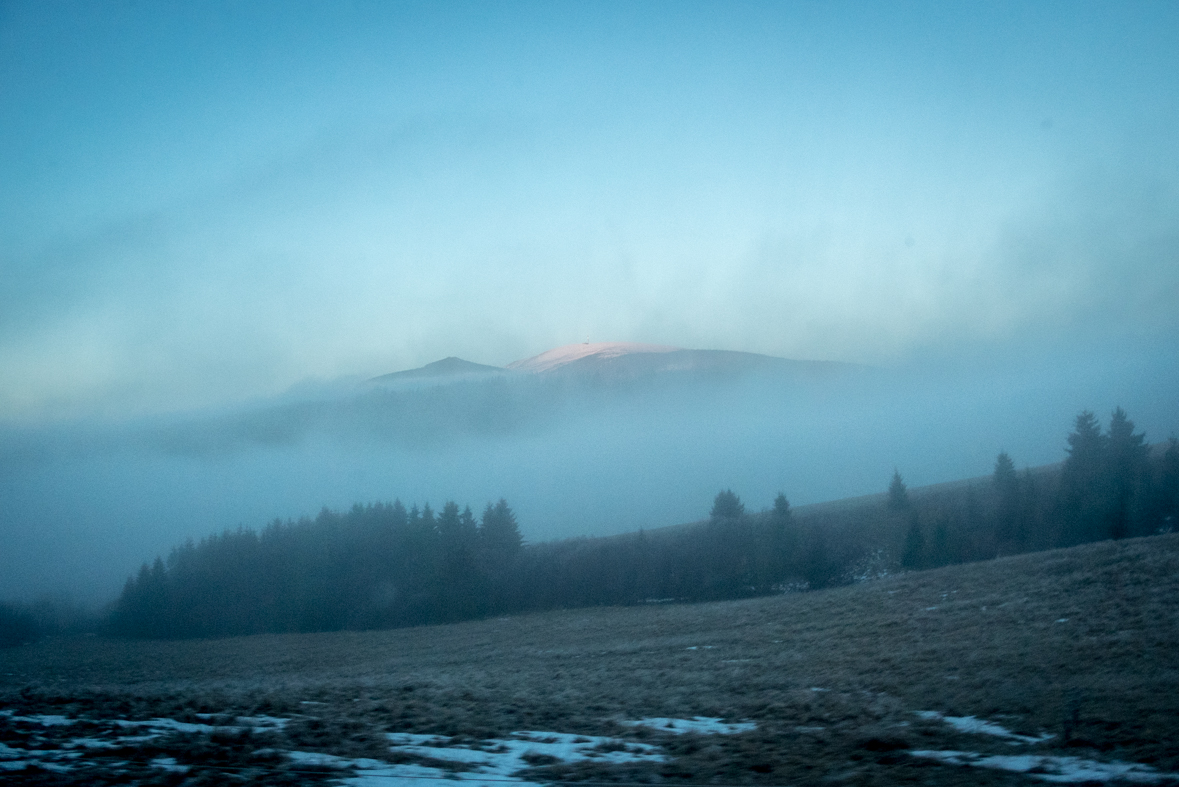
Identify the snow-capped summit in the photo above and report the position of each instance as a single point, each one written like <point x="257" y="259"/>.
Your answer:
<point x="560" y="356"/>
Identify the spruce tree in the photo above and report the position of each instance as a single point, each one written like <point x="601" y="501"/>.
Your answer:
<point x="898" y="493"/>
<point x="774" y="543"/>
<point x="726" y="505"/>
<point x="1126" y="456"/>
<point x="1004" y="477"/>
<point x="448" y="522"/>
<point x="499" y="532"/>
<point x="781" y="507"/>
<point x="1083" y="484"/>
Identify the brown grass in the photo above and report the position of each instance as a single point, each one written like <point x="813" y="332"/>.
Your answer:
<point x="979" y="639"/>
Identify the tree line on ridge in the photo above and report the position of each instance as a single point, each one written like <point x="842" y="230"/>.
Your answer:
<point x="385" y="566"/>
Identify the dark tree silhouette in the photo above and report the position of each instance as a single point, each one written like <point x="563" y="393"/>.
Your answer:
<point x="1082" y="484"/>
<point x="726" y="505"/>
<point x="1126" y="462"/>
<point x="500" y="532"/>
<point x="898" y="493"/>
<point x="1004" y="477"/>
<point x="781" y="508"/>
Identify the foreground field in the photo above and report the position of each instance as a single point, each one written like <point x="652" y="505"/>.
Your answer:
<point x="1057" y="666"/>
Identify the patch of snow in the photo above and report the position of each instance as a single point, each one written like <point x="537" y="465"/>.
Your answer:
<point x="263" y="723"/>
<point x="159" y="726"/>
<point x="47" y="721"/>
<point x="374" y="773"/>
<point x="168" y="764"/>
<point x="9" y="753"/>
<point x="12" y="759"/>
<point x="559" y="356"/>
<point x="504" y="756"/>
<point x="489" y="760"/>
<point x="1062" y="770"/>
<point x="95" y="743"/>
<point x="975" y="726"/>
<point x="700" y="724"/>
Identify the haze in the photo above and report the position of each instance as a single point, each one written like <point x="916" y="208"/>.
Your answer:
<point x="222" y="209"/>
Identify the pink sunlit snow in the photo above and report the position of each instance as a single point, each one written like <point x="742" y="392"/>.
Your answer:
<point x="559" y="356"/>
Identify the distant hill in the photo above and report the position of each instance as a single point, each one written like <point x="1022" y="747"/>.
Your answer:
<point x="447" y="370"/>
<point x="622" y="361"/>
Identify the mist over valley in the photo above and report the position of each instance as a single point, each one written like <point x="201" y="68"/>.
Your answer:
<point x="612" y="442"/>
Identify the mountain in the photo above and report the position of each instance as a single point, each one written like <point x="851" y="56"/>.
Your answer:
<point x="448" y="370"/>
<point x="623" y="361"/>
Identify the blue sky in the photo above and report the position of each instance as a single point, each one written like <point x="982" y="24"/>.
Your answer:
<point x="205" y="202"/>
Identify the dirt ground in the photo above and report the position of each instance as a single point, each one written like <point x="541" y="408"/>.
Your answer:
<point x="1081" y="645"/>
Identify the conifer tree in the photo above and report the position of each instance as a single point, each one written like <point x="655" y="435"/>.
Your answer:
<point x="467" y="525"/>
<point x="1082" y="484"/>
<point x="1004" y="477"/>
<point x="781" y="507"/>
<point x="726" y="505"/>
<point x="499" y="532"/>
<point x="774" y="543"/>
<point x="898" y="493"/>
<point x="448" y="522"/>
<point x="1126" y="457"/>
<point x="398" y="516"/>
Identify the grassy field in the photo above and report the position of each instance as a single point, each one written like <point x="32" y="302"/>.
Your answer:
<point x="1080" y="644"/>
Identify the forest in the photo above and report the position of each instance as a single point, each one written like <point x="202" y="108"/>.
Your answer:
<point x="384" y="566"/>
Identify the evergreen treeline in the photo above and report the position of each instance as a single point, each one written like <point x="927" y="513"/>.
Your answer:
<point x="381" y="566"/>
<point x="376" y="566"/>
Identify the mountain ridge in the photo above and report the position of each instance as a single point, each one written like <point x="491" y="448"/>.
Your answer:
<point x="619" y="360"/>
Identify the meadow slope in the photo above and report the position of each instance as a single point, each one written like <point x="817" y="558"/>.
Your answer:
<point x="1072" y="655"/>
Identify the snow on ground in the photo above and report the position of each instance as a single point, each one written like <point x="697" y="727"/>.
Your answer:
<point x="505" y="755"/>
<point x="1063" y="770"/>
<point x="970" y="724"/>
<point x="700" y="724"/>
<point x="169" y="764"/>
<point x="48" y="721"/>
<point x="161" y="726"/>
<point x="489" y="761"/>
<point x="375" y="773"/>
<point x="492" y="760"/>
<point x="73" y="749"/>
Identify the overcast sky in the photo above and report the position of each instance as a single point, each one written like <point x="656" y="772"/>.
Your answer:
<point x="203" y="202"/>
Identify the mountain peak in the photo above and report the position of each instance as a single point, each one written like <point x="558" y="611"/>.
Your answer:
<point x="446" y="369"/>
<point x="559" y="356"/>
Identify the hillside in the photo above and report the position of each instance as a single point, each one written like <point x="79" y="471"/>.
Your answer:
<point x="1060" y="665"/>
